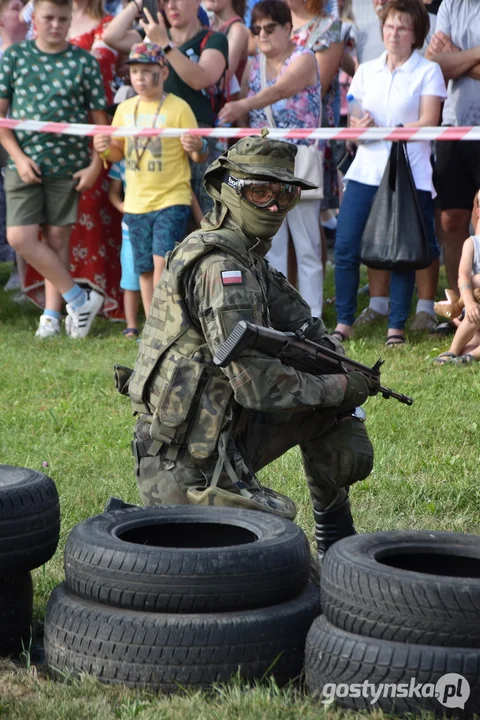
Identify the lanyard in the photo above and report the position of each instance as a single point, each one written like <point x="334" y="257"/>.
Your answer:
<point x="147" y="140"/>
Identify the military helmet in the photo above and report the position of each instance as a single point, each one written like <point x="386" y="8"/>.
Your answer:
<point x="258" y="157"/>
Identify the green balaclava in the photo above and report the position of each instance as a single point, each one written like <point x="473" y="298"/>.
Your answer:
<point x="252" y="158"/>
<point x="258" y="222"/>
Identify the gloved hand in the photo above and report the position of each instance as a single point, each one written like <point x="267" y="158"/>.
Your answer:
<point x="373" y="385"/>
<point x="359" y="388"/>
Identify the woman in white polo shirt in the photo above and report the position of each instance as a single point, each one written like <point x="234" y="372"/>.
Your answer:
<point x="400" y="87"/>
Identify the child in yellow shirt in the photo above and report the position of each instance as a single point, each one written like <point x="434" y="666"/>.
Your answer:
<point x="157" y="178"/>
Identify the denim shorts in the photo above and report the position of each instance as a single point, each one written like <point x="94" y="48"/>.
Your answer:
<point x="156" y="233"/>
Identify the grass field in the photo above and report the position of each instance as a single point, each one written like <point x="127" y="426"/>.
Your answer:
<point x="58" y="406"/>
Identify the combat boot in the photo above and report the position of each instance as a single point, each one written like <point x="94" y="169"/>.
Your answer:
<point x="332" y="525"/>
<point x="114" y="503"/>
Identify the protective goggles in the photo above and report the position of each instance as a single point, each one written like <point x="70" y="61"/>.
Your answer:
<point x="264" y="193"/>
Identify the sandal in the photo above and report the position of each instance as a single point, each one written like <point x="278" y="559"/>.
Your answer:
<point x="464" y="359"/>
<point x="339" y="335"/>
<point x="395" y="341"/>
<point x="444" y="357"/>
<point x="130" y="332"/>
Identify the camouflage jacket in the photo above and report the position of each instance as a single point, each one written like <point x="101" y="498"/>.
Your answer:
<point x="212" y="280"/>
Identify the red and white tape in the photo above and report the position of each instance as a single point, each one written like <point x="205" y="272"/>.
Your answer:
<point x="377" y="133"/>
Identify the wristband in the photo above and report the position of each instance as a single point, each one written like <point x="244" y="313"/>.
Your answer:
<point x="166" y="48"/>
<point x="204" y="146"/>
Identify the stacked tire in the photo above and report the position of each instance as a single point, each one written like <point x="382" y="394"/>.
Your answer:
<point x="29" y="531"/>
<point x="399" y="608"/>
<point x="173" y="597"/>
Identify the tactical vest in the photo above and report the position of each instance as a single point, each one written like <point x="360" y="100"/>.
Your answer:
<point x="174" y="378"/>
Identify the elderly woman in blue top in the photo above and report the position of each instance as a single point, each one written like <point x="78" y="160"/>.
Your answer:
<point x="399" y="87"/>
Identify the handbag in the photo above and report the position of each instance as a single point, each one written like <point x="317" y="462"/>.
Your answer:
<point x="308" y="160"/>
<point x="395" y="237"/>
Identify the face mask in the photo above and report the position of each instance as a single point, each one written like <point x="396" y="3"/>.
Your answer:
<point x="261" y="223"/>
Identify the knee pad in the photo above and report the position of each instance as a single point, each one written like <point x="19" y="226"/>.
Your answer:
<point x="349" y="453"/>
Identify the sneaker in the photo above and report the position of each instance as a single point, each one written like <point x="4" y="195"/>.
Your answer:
<point x="48" y="327"/>
<point x="79" y="320"/>
<point x="13" y="282"/>
<point x="423" y="322"/>
<point x="114" y="503"/>
<point x="369" y="316"/>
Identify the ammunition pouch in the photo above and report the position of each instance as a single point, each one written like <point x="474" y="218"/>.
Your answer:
<point x="189" y="401"/>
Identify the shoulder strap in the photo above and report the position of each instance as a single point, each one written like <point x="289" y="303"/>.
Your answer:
<point x="227" y="25"/>
<point x="315" y="25"/>
<point x="205" y="39"/>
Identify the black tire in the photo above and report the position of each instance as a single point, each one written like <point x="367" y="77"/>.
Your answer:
<point x="337" y="658"/>
<point x="407" y="586"/>
<point x="199" y="560"/>
<point x="16" y="608"/>
<point x="165" y="652"/>
<point x="29" y="519"/>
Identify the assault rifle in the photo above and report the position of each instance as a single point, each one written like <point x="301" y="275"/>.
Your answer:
<point x="296" y="350"/>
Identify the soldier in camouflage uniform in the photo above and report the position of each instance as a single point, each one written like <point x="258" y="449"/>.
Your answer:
<point x="203" y="432"/>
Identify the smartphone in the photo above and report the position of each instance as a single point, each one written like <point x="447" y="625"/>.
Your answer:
<point x="153" y="7"/>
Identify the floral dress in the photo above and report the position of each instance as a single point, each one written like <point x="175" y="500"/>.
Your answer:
<point x="95" y="241"/>
<point x="317" y="35"/>
<point x="301" y="110"/>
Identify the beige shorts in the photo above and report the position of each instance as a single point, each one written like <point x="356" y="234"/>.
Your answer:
<point x="54" y="201"/>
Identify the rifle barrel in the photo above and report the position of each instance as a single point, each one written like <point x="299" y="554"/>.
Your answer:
<point x="388" y="393"/>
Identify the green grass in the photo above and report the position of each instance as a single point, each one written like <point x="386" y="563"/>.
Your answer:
<point x="58" y="405"/>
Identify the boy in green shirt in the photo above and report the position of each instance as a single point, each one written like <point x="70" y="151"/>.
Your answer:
<point x="48" y="79"/>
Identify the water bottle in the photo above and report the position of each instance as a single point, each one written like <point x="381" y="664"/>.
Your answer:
<point x="355" y="108"/>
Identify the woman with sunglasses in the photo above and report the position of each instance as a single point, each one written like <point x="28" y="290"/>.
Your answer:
<point x="281" y="87"/>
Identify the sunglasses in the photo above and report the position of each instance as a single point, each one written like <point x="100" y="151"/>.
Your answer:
<point x="268" y="29"/>
<point x="264" y="193"/>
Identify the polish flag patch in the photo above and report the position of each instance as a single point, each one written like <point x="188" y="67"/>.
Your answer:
<point x="232" y="277"/>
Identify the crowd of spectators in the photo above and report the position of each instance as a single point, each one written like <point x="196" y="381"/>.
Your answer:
<point x="281" y="63"/>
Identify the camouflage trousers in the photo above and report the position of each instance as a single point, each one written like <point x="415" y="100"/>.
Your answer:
<point x="335" y="455"/>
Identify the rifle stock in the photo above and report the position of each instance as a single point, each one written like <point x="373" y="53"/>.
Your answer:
<point x="297" y="351"/>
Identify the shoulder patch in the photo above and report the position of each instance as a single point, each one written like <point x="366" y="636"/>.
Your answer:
<point x="232" y="277"/>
